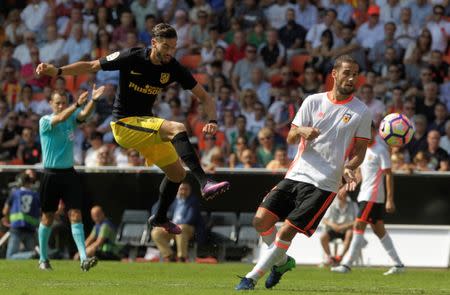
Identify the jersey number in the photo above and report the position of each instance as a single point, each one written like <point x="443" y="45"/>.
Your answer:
<point x="25" y="203"/>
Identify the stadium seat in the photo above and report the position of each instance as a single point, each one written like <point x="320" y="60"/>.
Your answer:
<point x="248" y="236"/>
<point x="298" y="63"/>
<point x="191" y="61"/>
<point x="133" y="230"/>
<point x="223" y="232"/>
<point x="201" y="78"/>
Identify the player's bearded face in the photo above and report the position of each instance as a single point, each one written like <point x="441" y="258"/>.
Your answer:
<point x="346" y="78"/>
<point x="165" y="50"/>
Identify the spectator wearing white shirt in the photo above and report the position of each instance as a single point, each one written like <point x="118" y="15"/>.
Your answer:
<point x="96" y="142"/>
<point x="445" y="140"/>
<point x="183" y="27"/>
<point x="343" y="9"/>
<point x="51" y="52"/>
<point x="372" y="30"/>
<point x="406" y="32"/>
<point x="314" y="35"/>
<point x="306" y="14"/>
<point x="276" y="13"/>
<point x="439" y="28"/>
<point x="376" y="107"/>
<point x="421" y="11"/>
<point x="390" y="10"/>
<point x="22" y="52"/>
<point x="34" y="14"/>
<point x="142" y="8"/>
<point x="261" y="86"/>
<point x="76" y="47"/>
<point x="14" y="27"/>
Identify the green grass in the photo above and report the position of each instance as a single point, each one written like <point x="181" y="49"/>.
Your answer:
<point x="23" y="277"/>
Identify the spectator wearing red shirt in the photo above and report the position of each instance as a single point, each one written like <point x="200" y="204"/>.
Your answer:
<point x="236" y="50"/>
<point x="28" y="73"/>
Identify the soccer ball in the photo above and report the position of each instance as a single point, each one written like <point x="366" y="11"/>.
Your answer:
<point x="396" y="129"/>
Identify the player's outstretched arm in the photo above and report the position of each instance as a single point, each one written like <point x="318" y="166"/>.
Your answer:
<point x="390" y="205"/>
<point x="209" y="104"/>
<point x="87" y="111"/>
<point x="77" y="68"/>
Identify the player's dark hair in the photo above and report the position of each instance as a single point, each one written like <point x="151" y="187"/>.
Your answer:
<point x="24" y="179"/>
<point x="164" y="31"/>
<point x="343" y="59"/>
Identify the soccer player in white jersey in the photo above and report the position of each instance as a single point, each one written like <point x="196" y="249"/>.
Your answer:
<point x="325" y="127"/>
<point x="371" y="201"/>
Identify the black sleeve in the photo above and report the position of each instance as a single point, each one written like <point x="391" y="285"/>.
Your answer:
<point x="116" y="60"/>
<point x="184" y="77"/>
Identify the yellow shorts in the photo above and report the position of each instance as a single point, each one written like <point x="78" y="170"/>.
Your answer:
<point x="142" y="134"/>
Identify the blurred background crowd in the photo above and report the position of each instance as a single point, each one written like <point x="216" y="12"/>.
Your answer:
<point x="258" y="59"/>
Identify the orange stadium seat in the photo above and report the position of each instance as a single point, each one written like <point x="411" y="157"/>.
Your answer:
<point x="191" y="61"/>
<point x="201" y="78"/>
<point x="298" y="62"/>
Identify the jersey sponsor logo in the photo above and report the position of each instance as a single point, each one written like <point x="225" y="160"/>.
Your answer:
<point x="135" y="73"/>
<point x="147" y="89"/>
<point x="346" y="117"/>
<point x="112" y="56"/>
<point x="164" y="78"/>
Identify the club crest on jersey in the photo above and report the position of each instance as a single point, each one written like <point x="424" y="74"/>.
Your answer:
<point x="346" y="117"/>
<point x="164" y="78"/>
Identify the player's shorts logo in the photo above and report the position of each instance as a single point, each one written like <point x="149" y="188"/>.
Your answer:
<point x="346" y="117"/>
<point x="164" y="78"/>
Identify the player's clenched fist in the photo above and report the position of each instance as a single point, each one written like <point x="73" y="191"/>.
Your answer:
<point x="46" y="69"/>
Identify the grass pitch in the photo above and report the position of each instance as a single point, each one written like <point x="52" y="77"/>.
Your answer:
<point x="23" y="277"/>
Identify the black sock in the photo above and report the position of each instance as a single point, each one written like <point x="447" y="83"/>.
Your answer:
<point x="187" y="154"/>
<point x="167" y="193"/>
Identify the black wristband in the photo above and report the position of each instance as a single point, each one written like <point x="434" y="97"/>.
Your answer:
<point x="213" y="122"/>
<point x="59" y="72"/>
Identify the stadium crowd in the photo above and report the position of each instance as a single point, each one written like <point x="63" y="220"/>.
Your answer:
<point x="259" y="59"/>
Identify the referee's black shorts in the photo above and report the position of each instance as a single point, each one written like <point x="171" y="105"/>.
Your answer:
<point x="59" y="184"/>
<point x="301" y="204"/>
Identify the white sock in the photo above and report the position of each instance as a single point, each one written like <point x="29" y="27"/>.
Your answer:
<point x="355" y="247"/>
<point x="386" y="241"/>
<point x="273" y="255"/>
<point x="268" y="236"/>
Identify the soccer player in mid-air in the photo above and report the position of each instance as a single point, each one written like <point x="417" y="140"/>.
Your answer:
<point x="60" y="180"/>
<point x="371" y="201"/>
<point x="144" y="73"/>
<point x="325" y="127"/>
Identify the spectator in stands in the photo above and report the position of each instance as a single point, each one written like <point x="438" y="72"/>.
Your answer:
<point x="220" y="63"/>
<point x="258" y="84"/>
<point x="395" y="103"/>
<point x="266" y="150"/>
<point x="66" y="25"/>
<point x="96" y="142"/>
<point x="419" y="140"/>
<point x="421" y="11"/>
<point x="34" y="13"/>
<point x="273" y="53"/>
<point x="376" y="107"/>
<point x="390" y="11"/>
<point x="311" y="83"/>
<point x="22" y="52"/>
<point x="249" y="13"/>
<point x="145" y="35"/>
<point x="280" y="160"/>
<point x="23" y="104"/>
<point x="199" y="5"/>
<point x="287" y="81"/>
<point x="242" y="131"/>
<point x="344" y="11"/>
<point x="395" y="78"/>
<point x="10" y="86"/>
<point x="390" y="58"/>
<point x="439" y="29"/>
<point x="371" y="31"/>
<point x="248" y="160"/>
<point x="338" y="222"/>
<point x="321" y="55"/>
<point x="131" y="41"/>
<point x="242" y="70"/>
<point x="426" y="107"/>
<point x="209" y="149"/>
<point x="399" y="163"/>
<point x="119" y="36"/>
<point x="101" y="240"/>
<point x="7" y="58"/>
<point x="3" y="113"/>
<point x="438" y="66"/>
<point x="445" y="139"/>
<point x="441" y="117"/>
<point x="76" y="47"/>
<point x="275" y="13"/>
<point x="226" y="102"/>
<point x="183" y="28"/>
<point x="422" y="44"/>
<point x="292" y="35"/>
<point x="22" y="210"/>
<point x="101" y="22"/>
<point x="421" y="162"/>
<point x="10" y="137"/>
<point x="199" y="32"/>
<point x="377" y="53"/>
<point x="247" y="103"/>
<point x="141" y="9"/>
<point x="102" y="43"/>
<point x="306" y="14"/>
<point x="51" y="52"/>
<point x="314" y="35"/>
<point x="236" y="50"/>
<point x="14" y="28"/>
<point x="115" y="9"/>
<point x="434" y="153"/>
<point x="177" y="114"/>
<point x="28" y="151"/>
<point x="257" y="35"/>
<point x="409" y="108"/>
<point x="413" y="67"/>
<point x="229" y="124"/>
<point x="235" y="157"/>
<point x="406" y="32"/>
<point x="185" y="211"/>
<point x="104" y="157"/>
<point x="28" y="74"/>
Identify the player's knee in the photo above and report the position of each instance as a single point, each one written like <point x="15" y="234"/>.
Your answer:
<point x="261" y="225"/>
